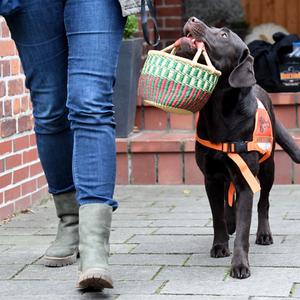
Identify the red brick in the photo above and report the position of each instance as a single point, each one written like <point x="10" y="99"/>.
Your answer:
<point x="32" y="140"/>
<point x="24" y="104"/>
<point x="6" y="211"/>
<point x="192" y="173"/>
<point x="143" y="169"/>
<point x="282" y="98"/>
<point x="36" y="169"/>
<point x="7" y="48"/>
<point x="21" y="143"/>
<point x="41" y="181"/>
<point x="5" y="30"/>
<point x="2" y="89"/>
<point x="15" y="66"/>
<point x="12" y="194"/>
<point x="23" y="204"/>
<point x="13" y="161"/>
<point x="286" y="114"/>
<point x="181" y="121"/>
<point x="5" y="180"/>
<point x="296" y="173"/>
<point x="139" y="101"/>
<point x="155" y="119"/>
<point x="4" y="68"/>
<point x="29" y="186"/>
<point x="16" y="106"/>
<point x="283" y="166"/>
<point x="169" y="34"/>
<point x="170" y="11"/>
<point x="170" y="168"/>
<point x="139" y="118"/>
<point x="5" y="147"/>
<point x="15" y="87"/>
<point x="7" y="127"/>
<point x="189" y="144"/>
<point x="30" y="155"/>
<point x="174" y="23"/>
<point x="20" y="174"/>
<point x="2" y="165"/>
<point x="122" y="169"/>
<point x="122" y="145"/>
<point x="8" y="108"/>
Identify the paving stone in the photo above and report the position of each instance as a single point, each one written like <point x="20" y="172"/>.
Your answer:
<point x="80" y="296"/>
<point x="180" y="297"/>
<point x="257" y="259"/>
<point x="184" y="231"/>
<point x="179" y="223"/>
<point x="8" y="271"/>
<point x="39" y="272"/>
<point x="296" y="290"/>
<point x="171" y="244"/>
<point x="17" y="231"/>
<point x="160" y="243"/>
<point x="130" y="223"/>
<point x="177" y="216"/>
<point x="21" y="288"/>
<point x="11" y="257"/>
<point x="122" y="248"/>
<point x="138" y="211"/>
<point x="263" y="282"/>
<point x="148" y="259"/>
<point x="233" y="288"/>
<point x="192" y="273"/>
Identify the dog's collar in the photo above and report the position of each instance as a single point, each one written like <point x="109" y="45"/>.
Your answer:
<point x="262" y="142"/>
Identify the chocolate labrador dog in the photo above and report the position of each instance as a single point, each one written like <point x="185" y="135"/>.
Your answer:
<point x="229" y="116"/>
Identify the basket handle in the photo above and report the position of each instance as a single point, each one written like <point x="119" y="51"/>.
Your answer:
<point x="200" y="50"/>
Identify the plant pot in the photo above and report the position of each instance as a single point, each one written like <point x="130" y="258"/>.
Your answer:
<point x="125" y="90"/>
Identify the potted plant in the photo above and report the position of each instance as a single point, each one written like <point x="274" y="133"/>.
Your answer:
<point x="128" y="70"/>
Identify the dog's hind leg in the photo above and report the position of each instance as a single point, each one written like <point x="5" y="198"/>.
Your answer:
<point x="215" y="192"/>
<point x="266" y="178"/>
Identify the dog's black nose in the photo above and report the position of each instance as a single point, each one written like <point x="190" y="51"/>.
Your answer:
<point x="194" y="20"/>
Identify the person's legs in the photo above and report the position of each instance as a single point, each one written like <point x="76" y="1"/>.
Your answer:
<point x="94" y="30"/>
<point x="39" y="32"/>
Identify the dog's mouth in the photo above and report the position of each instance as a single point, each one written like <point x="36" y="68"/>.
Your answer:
<point x="195" y="32"/>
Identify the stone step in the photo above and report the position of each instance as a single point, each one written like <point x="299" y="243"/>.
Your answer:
<point x="168" y="157"/>
<point x="286" y="106"/>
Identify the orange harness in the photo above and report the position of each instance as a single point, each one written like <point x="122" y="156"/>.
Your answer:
<point x="262" y="142"/>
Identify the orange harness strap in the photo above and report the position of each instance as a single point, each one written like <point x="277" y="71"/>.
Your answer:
<point x="262" y="142"/>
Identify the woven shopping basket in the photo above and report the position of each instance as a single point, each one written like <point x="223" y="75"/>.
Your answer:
<point x="177" y="84"/>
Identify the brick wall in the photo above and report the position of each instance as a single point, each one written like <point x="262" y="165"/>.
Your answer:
<point x="21" y="177"/>
<point x="170" y="20"/>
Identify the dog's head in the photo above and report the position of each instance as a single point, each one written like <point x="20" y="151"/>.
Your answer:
<point x="227" y="51"/>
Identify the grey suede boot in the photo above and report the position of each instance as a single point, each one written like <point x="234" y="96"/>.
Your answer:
<point x="64" y="249"/>
<point x="94" y="231"/>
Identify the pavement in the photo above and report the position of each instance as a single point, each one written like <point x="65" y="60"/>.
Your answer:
<point x="160" y="243"/>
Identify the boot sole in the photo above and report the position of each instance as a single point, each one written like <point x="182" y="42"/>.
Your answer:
<point x="95" y="278"/>
<point x="60" y="261"/>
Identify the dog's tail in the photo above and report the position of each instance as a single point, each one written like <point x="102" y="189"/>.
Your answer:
<point x="286" y="141"/>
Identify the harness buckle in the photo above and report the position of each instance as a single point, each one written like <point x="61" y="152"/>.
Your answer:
<point x="238" y="147"/>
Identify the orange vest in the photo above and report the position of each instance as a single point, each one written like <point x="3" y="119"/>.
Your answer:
<point x="262" y="142"/>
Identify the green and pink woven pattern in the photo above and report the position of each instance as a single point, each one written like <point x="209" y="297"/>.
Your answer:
<point x="168" y="81"/>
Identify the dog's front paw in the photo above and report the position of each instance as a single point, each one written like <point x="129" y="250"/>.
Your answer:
<point x="240" y="271"/>
<point x="220" y="250"/>
<point x="264" y="238"/>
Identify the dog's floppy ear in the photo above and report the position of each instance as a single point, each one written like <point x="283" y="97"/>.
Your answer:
<point x="243" y="73"/>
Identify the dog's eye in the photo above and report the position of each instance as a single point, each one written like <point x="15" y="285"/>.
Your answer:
<point x="224" y="35"/>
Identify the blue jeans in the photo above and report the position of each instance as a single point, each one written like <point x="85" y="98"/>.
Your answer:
<point x="69" y="52"/>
